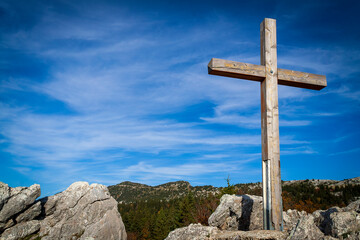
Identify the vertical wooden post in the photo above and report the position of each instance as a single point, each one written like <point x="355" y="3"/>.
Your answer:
<point x="270" y="128"/>
<point x="270" y="77"/>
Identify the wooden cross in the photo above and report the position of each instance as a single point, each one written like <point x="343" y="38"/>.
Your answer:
<point x="269" y="76"/>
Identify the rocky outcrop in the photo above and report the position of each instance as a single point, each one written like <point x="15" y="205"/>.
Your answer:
<point x="14" y="202"/>
<point x="193" y="232"/>
<point x="250" y="235"/>
<point x="199" y="232"/>
<point x="339" y="222"/>
<point x="305" y="228"/>
<point x="238" y="213"/>
<point x="21" y="230"/>
<point x="291" y="219"/>
<point x="82" y="211"/>
<point x="354" y="206"/>
<point x="245" y="213"/>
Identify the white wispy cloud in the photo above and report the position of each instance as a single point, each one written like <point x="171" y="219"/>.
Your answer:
<point x="297" y="150"/>
<point x="251" y="121"/>
<point x="345" y="152"/>
<point x="120" y="84"/>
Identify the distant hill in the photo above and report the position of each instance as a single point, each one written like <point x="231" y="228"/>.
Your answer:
<point x="127" y="192"/>
<point x="330" y="183"/>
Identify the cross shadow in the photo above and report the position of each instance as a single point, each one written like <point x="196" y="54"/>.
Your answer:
<point x="246" y="210"/>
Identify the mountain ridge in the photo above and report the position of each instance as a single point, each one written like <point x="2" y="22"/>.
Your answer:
<point x="127" y="191"/>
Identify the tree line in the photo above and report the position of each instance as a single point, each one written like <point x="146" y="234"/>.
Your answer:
<point x="154" y="219"/>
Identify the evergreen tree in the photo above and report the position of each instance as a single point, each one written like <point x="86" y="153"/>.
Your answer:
<point x="162" y="227"/>
<point x="230" y="189"/>
<point x="186" y="210"/>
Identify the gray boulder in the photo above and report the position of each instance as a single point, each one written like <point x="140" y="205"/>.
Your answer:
<point x="199" y="232"/>
<point x="30" y="213"/>
<point x="4" y="194"/>
<point x="291" y="218"/>
<point x="15" y="200"/>
<point x="352" y="236"/>
<point x="306" y="229"/>
<point x="343" y="223"/>
<point x="339" y="222"/>
<point x="322" y="219"/>
<point x="83" y="211"/>
<point x="354" y="206"/>
<point x="238" y="213"/>
<point x="250" y="235"/>
<point x="11" y="222"/>
<point x="245" y="213"/>
<point x="193" y="232"/>
<point x="21" y="230"/>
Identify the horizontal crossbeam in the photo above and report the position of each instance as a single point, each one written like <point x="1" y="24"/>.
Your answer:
<point x="254" y="72"/>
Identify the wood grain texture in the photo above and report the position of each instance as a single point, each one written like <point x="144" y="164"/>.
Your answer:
<point x="301" y="79"/>
<point x="255" y="72"/>
<point x="233" y="69"/>
<point x="269" y="76"/>
<point x="270" y="120"/>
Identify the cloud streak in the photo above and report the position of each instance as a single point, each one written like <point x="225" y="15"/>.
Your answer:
<point x="105" y="93"/>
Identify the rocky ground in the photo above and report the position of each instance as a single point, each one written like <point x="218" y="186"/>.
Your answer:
<point x="82" y="211"/>
<point x="241" y="217"/>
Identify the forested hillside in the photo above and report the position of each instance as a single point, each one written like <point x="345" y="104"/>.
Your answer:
<point x="127" y="192"/>
<point x="152" y="212"/>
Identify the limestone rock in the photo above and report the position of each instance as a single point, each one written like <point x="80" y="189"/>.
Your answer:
<point x="342" y="223"/>
<point x="352" y="236"/>
<point x="193" y="232"/>
<point x="199" y="232"/>
<point x="4" y="194"/>
<point x="30" y="213"/>
<point x="15" y="200"/>
<point x="250" y="235"/>
<point x="322" y="219"/>
<point x="6" y="225"/>
<point x="355" y="206"/>
<point x="306" y="229"/>
<point x="20" y="230"/>
<point x="238" y="213"/>
<point x="339" y="222"/>
<point x="83" y="211"/>
<point x="291" y="218"/>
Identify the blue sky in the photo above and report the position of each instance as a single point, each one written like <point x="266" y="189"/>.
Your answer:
<point x="112" y="91"/>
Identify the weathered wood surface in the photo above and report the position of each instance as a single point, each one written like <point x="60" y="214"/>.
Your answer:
<point x="255" y="72"/>
<point x="270" y="76"/>
<point x="233" y="69"/>
<point x="270" y="124"/>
